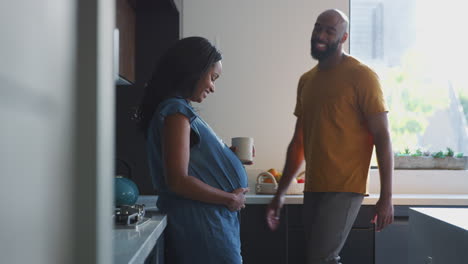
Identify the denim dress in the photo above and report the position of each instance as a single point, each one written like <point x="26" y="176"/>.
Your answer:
<point x="197" y="232"/>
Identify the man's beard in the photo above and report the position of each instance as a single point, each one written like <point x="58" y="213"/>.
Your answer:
<point x="321" y="55"/>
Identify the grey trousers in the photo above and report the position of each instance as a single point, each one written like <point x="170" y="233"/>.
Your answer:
<point x="328" y="218"/>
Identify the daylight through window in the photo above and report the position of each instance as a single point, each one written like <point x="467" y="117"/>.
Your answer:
<point x="417" y="48"/>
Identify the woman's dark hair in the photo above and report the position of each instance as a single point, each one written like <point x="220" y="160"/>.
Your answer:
<point x="177" y="74"/>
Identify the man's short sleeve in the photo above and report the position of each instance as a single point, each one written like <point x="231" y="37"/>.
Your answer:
<point x="298" y="108"/>
<point x="370" y="95"/>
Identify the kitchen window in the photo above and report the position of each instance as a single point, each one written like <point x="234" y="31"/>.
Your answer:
<point x="417" y="48"/>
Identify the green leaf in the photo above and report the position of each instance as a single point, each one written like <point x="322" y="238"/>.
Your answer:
<point x="449" y="152"/>
<point x="439" y="154"/>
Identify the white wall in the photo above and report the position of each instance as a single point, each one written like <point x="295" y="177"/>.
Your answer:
<point x="266" y="48"/>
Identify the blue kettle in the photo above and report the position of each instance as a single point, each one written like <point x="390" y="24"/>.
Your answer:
<point x="125" y="191"/>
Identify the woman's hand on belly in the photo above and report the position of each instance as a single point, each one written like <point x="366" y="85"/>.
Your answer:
<point x="238" y="199"/>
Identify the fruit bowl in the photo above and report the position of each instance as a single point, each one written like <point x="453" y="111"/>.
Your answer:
<point x="267" y="184"/>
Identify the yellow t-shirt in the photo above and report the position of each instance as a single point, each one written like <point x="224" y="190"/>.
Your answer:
<point x="333" y="105"/>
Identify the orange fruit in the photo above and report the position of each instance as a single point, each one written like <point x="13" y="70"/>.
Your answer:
<point x="267" y="180"/>
<point x="275" y="173"/>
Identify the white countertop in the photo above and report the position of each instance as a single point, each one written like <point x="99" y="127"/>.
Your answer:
<point x="134" y="245"/>
<point x="453" y="216"/>
<point x="398" y="199"/>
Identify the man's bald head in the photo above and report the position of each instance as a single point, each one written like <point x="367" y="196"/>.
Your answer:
<point x="342" y="21"/>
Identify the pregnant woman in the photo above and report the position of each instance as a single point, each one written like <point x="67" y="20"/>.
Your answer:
<point x="200" y="182"/>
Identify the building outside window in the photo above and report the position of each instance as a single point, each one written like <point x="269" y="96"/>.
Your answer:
<point x="417" y="49"/>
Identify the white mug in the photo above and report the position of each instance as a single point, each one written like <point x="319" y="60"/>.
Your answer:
<point x="244" y="148"/>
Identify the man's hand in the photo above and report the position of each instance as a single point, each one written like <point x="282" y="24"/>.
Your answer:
<point x="383" y="213"/>
<point x="378" y="127"/>
<point x="273" y="212"/>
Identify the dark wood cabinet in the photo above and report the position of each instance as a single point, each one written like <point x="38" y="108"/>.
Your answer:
<point x="156" y="27"/>
<point x="287" y="244"/>
<point x="259" y="244"/>
<point x="296" y="246"/>
<point x="392" y="242"/>
<point x="126" y="23"/>
<point x="359" y="247"/>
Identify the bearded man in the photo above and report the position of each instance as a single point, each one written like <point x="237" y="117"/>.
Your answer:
<point x="341" y="115"/>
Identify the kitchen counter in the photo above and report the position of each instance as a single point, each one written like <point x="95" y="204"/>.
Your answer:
<point x="438" y="235"/>
<point x="134" y="245"/>
<point x="456" y="217"/>
<point x="398" y="199"/>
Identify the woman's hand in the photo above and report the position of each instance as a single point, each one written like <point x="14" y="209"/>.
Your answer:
<point x="238" y="199"/>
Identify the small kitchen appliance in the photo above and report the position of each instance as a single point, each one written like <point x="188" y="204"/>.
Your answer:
<point x="130" y="216"/>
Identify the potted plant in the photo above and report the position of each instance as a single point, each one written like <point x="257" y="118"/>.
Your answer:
<point x="425" y="160"/>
